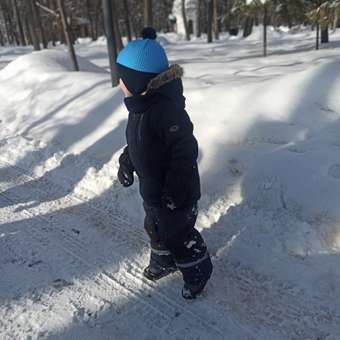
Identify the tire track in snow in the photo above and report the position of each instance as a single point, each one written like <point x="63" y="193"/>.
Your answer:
<point x="66" y="240"/>
<point x="277" y="314"/>
<point x="160" y="309"/>
<point x="286" y="308"/>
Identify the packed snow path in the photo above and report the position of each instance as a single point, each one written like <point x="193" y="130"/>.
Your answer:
<point x="75" y="260"/>
<point x="72" y="245"/>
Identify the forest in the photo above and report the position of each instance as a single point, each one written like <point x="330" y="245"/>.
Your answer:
<point x="38" y="23"/>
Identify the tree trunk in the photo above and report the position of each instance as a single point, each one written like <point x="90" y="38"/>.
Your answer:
<point x="248" y="26"/>
<point x="209" y="21"/>
<point x="57" y="34"/>
<point x="226" y="24"/>
<point x="285" y="9"/>
<point x="11" y="27"/>
<point x="117" y="34"/>
<point x="324" y="35"/>
<point x="110" y="38"/>
<point x="7" y="22"/>
<point x="265" y="22"/>
<point x="53" y="28"/>
<point x="7" y="28"/>
<point x="134" y="28"/>
<point x="185" y="22"/>
<point x="19" y="23"/>
<point x="89" y="18"/>
<point x="148" y="13"/>
<point x="31" y="27"/>
<point x="198" y="19"/>
<point x="317" y="46"/>
<point x="27" y="31"/>
<point x="127" y="20"/>
<point x="67" y="34"/>
<point x="216" y="19"/>
<point x="96" y="25"/>
<point x="37" y="19"/>
<point x="2" y="39"/>
<point x="336" y="20"/>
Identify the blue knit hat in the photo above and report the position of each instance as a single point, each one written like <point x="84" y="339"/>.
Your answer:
<point x="141" y="60"/>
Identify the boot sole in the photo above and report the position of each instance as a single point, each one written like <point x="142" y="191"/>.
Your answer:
<point x="152" y="277"/>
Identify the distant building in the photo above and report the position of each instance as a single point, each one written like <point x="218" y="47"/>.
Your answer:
<point x="191" y="8"/>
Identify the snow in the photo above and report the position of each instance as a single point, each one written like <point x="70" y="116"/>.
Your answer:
<point x="72" y="245"/>
<point x="7" y="54"/>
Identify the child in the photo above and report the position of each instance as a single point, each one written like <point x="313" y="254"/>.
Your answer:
<point x="162" y="150"/>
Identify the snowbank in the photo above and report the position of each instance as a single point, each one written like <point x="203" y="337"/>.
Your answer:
<point x="300" y="115"/>
<point x="59" y="119"/>
<point x="269" y="163"/>
<point x="272" y="34"/>
<point x="50" y="61"/>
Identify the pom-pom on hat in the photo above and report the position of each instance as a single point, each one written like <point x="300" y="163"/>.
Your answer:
<point x="149" y="33"/>
<point x="141" y="60"/>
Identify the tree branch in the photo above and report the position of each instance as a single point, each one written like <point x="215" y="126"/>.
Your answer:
<point x="48" y="10"/>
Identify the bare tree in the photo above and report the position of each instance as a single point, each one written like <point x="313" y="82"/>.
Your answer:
<point x="317" y="43"/>
<point x="19" y="23"/>
<point x="325" y="34"/>
<point x="67" y="34"/>
<point x="216" y="19"/>
<point x="89" y="17"/>
<point x="148" y="15"/>
<point x="265" y="23"/>
<point x="286" y="13"/>
<point x="38" y="24"/>
<point x="248" y="26"/>
<point x="110" y="38"/>
<point x="2" y="38"/>
<point x="31" y="26"/>
<point x="335" y="19"/>
<point x="185" y="22"/>
<point x="127" y="20"/>
<point x="199" y="19"/>
<point x="209" y="21"/>
<point x="118" y="36"/>
<point x="96" y="22"/>
<point x="8" y="23"/>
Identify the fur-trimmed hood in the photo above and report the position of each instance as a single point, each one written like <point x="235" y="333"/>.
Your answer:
<point x="167" y="84"/>
<point x="174" y="72"/>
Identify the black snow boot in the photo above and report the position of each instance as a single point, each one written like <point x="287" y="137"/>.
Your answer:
<point x="160" y="266"/>
<point x="196" y="278"/>
<point x="190" y="291"/>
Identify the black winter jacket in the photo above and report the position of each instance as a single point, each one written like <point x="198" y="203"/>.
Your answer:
<point x="161" y="146"/>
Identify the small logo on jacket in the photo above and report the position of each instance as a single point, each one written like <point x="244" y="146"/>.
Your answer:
<point x="174" y="128"/>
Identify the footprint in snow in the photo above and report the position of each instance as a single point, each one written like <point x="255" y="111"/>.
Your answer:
<point x="235" y="167"/>
<point x="296" y="149"/>
<point x="35" y="263"/>
<point x="61" y="283"/>
<point x="334" y="171"/>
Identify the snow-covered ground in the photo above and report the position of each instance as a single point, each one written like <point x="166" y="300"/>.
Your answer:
<point x="72" y="246"/>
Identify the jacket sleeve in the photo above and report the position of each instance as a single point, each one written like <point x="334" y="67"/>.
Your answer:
<point x="175" y="129"/>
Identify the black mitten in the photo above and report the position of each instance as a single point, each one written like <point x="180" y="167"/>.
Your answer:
<point x="126" y="169"/>
<point x="125" y="177"/>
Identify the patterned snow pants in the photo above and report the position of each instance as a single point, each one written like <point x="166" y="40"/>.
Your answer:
<point x="173" y="238"/>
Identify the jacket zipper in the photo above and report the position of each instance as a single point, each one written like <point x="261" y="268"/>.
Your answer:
<point x="140" y="127"/>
